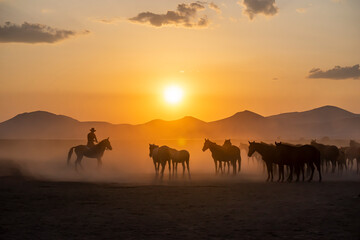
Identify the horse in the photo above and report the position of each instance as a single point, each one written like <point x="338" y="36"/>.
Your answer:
<point x="96" y="151"/>
<point x="219" y="154"/>
<point x="341" y="161"/>
<point x="297" y="156"/>
<point x="352" y="153"/>
<point x="182" y="157"/>
<point x="160" y="155"/>
<point x="232" y="150"/>
<point x="268" y="154"/>
<point x="329" y="153"/>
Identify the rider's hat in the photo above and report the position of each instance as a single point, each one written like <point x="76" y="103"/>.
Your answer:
<point x="92" y="130"/>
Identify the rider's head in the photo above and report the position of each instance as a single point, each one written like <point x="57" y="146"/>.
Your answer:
<point x="92" y="130"/>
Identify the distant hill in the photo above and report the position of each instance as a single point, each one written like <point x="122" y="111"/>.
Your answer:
<point x="328" y="121"/>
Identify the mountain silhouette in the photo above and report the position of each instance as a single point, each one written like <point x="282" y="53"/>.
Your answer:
<point x="328" y="121"/>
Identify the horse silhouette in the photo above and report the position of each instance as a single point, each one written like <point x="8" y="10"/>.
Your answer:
<point x="352" y="153"/>
<point x="96" y="151"/>
<point x="341" y="161"/>
<point x="180" y="156"/>
<point x="219" y="154"/>
<point x="160" y="156"/>
<point x="297" y="156"/>
<point x="329" y="153"/>
<point x="234" y="151"/>
<point x="268" y="154"/>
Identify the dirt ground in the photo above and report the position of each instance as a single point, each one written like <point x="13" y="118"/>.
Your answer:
<point x="197" y="209"/>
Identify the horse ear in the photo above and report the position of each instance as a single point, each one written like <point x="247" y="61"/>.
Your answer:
<point x="249" y="142"/>
<point x="108" y="138"/>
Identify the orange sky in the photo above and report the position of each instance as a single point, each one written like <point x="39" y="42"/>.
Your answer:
<point x="242" y="56"/>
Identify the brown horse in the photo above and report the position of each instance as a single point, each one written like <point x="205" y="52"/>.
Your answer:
<point x="96" y="151"/>
<point x="329" y="153"/>
<point x="268" y="154"/>
<point x="182" y="157"/>
<point x="160" y="156"/>
<point x="219" y="154"/>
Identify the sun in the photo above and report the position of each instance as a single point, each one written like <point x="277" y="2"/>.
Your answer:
<point x="173" y="94"/>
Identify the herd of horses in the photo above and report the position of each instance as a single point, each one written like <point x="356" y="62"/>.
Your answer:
<point x="296" y="158"/>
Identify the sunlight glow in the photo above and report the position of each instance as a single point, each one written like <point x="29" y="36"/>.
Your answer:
<point x="173" y="94"/>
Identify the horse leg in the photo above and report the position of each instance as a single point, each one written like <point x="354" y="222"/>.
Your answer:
<point x="156" y="172"/>
<point x="311" y="166"/>
<point x="291" y="174"/>
<point x="220" y="167"/>
<point x="303" y="172"/>
<point x="173" y="167"/>
<point x="183" y="165"/>
<point x="228" y="163"/>
<point x="297" y="171"/>
<point x="169" y="162"/>
<point x="271" y="173"/>
<point x="162" y="169"/>
<point x="216" y="168"/>
<point x="99" y="162"/>
<point x="188" y="168"/>
<point x="319" y="170"/>
<point x="78" y="161"/>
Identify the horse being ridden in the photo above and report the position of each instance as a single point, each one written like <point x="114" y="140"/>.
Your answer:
<point x="297" y="156"/>
<point x="182" y="157"/>
<point x="268" y="154"/>
<point x="160" y="155"/>
<point x="96" y="151"/>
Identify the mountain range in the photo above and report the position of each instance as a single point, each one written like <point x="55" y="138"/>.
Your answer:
<point x="327" y="121"/>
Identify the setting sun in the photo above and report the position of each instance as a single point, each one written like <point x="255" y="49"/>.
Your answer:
<point x="173" y="94"/>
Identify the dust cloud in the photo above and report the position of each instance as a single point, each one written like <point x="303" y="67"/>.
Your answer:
<point x="128" y="162"/>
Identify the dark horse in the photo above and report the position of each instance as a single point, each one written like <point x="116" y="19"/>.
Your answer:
<point x="233" y="151"/>
<point x="329" y="153"/>
<point x="219" y="154"/>
<point x="160" y="155"/>
<point x="297" y="156"/>
<point x="96" y="151"/>
<point x="182" y="157"/>
<point x="268" y="154"/>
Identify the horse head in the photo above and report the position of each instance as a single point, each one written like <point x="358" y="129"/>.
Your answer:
<point x="206" y="145"/>
<point x="252" y="148"/>
<point x="107" y="144"/>
<point x="151" y="149"/>
<point x="227" y="143"/>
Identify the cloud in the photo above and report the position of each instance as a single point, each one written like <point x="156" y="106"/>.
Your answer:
<point x="186" y="15"/>
<point x="107" y="20"/>
<point x="33" y="33"/>
<point x="336" y="73"/>
<point x="254" y="7"/>
<point x="214" y="7"/>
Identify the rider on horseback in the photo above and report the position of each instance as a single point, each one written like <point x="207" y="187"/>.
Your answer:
<point x="91" y="138"/>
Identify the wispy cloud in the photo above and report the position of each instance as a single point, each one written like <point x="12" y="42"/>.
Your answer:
<point x="34" y="33"/>
<point x="186" y="15"/>
<point x="214" y="7"/>
<point x="107" y="20"/>
<point x="336" y="73"/>
<point x="254" y="7"/>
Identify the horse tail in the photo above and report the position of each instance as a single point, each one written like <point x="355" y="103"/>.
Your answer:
<point x="69" y="155"/>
